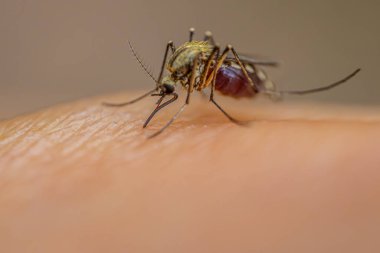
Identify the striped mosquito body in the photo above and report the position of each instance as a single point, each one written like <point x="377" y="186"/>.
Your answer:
<point x="197" y="65"/>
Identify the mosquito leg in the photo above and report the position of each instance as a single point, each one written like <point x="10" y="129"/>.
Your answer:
<point x="211" y="58"/>
<point x="252" y="60"/>
<point x="189" y="90"/>
<point x="192" y="78"/>
<point x="232" y="119"/>
<point x="238" y="122"/>
<point x="129" y="102"/>
<point x="213" y="80"/>
<point x="169" y="122"/>
<point x="159" y="107"/>
<point x="322" y="88"/>
<point x="267" y="63"/>
<point x="170" y="46"/>
<point x="191" y="34"/>
<point x="277" y="95"/>
<point x="209" y="37"/>
<point x="220" y="61"/>
<point x="243" y="68"/>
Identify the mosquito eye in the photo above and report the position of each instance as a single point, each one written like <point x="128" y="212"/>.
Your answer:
<point x="176" y="74"/>
<point x="168" y="88"/>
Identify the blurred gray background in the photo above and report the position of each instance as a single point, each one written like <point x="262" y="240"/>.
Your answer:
<point x="57" y="51"/>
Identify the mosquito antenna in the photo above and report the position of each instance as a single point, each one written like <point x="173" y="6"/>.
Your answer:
<point x="322" y="88"/>
<point x="141" y="62"/>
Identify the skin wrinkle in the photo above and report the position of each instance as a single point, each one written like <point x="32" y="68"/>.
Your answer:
<point x="32" y="127"/>
<point x="14" y="132"/>
<point x="86" y="127"/>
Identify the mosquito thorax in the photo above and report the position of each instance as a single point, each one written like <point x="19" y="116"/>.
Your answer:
<point x="181" y="62"/>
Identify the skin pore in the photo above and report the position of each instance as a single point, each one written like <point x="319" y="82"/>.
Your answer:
<point x="81" y="177"/>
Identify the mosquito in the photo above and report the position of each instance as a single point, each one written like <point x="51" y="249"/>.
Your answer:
<point x="197" y="65"/>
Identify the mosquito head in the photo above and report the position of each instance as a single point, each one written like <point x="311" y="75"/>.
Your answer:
<point x="168" y="85"/>
<point x="167" y="88"/>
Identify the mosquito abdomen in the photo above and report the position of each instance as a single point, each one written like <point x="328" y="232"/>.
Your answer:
<point x="230" y="81"/>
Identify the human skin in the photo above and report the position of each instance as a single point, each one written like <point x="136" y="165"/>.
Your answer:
<point x="81" y="177"/>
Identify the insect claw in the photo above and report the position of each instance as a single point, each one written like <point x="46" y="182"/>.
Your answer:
<point x="192" y="30"/>
<point x="208" y="33"/>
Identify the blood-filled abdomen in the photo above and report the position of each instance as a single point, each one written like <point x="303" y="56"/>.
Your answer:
<point x="231" y="81"/>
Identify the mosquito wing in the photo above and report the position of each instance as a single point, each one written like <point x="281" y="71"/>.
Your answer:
<point x="250" y="59"/>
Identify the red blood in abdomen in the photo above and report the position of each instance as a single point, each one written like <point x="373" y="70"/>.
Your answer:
<point x="230" y="81"/>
